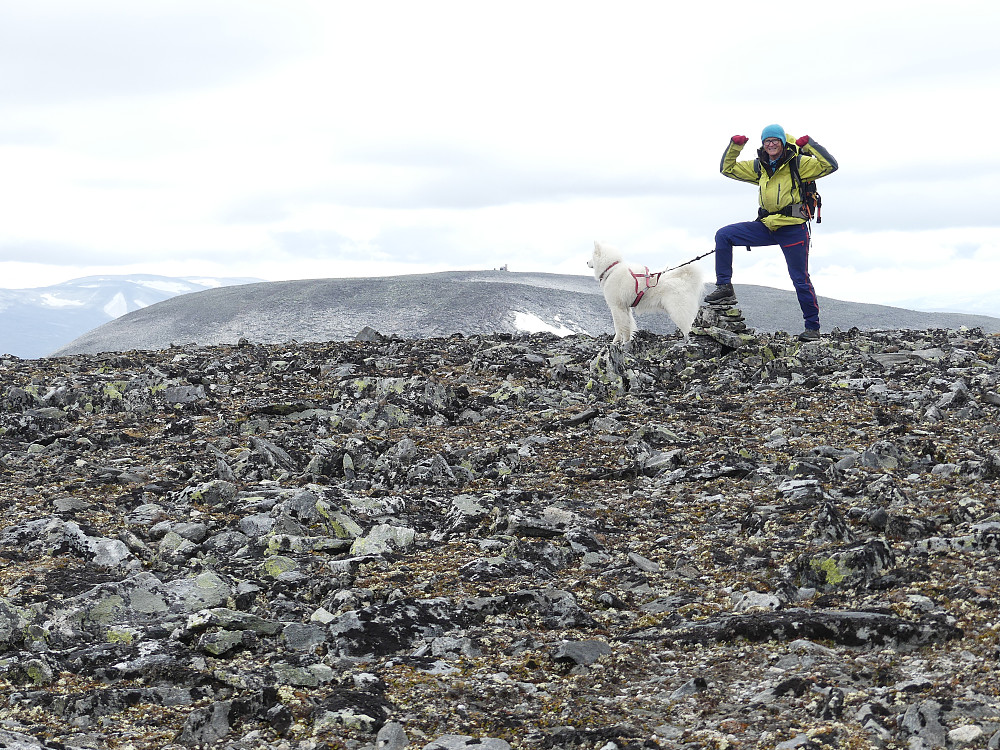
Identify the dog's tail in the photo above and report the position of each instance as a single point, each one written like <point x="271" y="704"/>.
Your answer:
<point x="690" y="276"/>
<point x="688" y="286"/>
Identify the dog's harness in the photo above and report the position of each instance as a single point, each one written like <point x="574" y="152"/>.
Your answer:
<point x="651" y="279"/>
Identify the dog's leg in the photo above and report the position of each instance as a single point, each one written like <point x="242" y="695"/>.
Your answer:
<point x="623" y="330"/>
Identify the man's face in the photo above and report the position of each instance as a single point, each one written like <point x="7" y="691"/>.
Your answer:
<point x="772" y="147"/>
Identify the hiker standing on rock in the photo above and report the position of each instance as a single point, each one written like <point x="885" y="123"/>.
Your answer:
<point x="782" y="165"/>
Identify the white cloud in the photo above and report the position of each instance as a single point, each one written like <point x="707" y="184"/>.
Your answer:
<point x="58" y="51"/>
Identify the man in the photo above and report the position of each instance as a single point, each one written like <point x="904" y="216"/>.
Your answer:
<point x="780" y="219"/>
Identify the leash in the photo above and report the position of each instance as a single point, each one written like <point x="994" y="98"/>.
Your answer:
<point x="689" y="262"/>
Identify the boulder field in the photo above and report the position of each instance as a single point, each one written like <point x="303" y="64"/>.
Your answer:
<point x="505" y="541"/>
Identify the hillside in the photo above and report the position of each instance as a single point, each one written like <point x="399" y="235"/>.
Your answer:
<point x="467" y="302"/>
<point x="488" y="542"/>
<point x="36" y="322"/>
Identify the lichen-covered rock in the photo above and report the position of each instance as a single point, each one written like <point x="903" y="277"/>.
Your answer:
<point x="13" y="621"/>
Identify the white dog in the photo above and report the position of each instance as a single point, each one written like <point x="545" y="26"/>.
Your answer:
<point x="629" y="289"/>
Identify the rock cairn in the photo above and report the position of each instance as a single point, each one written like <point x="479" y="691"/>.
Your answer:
<point x="725" y="324"/>
<point x="735" y="541"/>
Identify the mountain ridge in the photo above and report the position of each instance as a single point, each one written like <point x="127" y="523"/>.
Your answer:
<point x="442" y="304"/>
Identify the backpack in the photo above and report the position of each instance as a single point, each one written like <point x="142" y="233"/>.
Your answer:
<point x="808" y="192"/>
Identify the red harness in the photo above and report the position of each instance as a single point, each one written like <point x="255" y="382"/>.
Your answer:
<point x="651" y="279"/>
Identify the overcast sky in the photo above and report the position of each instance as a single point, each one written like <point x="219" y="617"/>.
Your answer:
<point x="308" y="139"/>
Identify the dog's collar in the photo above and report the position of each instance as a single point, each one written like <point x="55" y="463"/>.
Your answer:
<point x="600" y="279"/>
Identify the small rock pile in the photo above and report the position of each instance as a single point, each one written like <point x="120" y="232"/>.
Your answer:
<point x="732" y="541"/>
<point x="725" y="324"/>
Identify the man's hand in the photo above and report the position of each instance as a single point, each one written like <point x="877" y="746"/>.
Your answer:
<point x="740" y="140"/>
<point x="800" y="142"/>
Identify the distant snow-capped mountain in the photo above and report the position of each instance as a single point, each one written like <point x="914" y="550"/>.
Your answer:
<point x="36" y="322"/>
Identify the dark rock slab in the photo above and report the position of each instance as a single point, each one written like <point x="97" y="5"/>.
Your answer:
<point x="855" y="629"/>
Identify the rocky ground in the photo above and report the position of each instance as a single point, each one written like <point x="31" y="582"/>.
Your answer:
<point x="738" y="541"/>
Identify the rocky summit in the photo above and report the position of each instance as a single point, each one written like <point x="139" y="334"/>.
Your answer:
<point x="505" y="541"/>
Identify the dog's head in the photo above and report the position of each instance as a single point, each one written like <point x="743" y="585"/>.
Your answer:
<point x="596" y="255"/>
<point x="602" y="257"/>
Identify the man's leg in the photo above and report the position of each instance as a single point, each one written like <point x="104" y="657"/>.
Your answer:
<point x="794" y="242"/>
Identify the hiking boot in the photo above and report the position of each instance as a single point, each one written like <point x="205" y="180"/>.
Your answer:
<point x="724" y="294"/>
<point x="810" y="334"/>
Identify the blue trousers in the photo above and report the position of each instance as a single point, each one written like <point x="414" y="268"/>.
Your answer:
<point x="794" y="242"/>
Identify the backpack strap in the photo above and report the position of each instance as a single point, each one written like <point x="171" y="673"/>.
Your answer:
<point x="793" y="167"/>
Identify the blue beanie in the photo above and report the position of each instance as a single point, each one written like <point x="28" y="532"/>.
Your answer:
<point x="773" y="131"/>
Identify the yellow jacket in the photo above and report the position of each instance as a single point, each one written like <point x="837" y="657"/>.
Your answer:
<point x="777" y="191"/>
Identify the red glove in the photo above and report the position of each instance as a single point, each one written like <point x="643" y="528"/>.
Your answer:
<point x="800" y="142"/>
<point x="739" y="140"/>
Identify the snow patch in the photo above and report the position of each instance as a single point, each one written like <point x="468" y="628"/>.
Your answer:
<point x="117" y="306"/>
<point x="533" y="324"/>
<point x="164" y="285"/>
<point x="207" y="282"/>
<point x="50" y="300"/>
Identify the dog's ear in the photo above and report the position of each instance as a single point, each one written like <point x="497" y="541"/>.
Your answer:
<point x="597" y="248"/>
